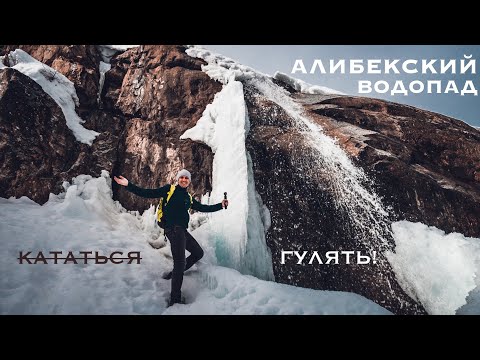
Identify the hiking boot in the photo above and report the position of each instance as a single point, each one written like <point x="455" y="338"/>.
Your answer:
<point x="167" y="276"/>
<point x="176" y="301"/>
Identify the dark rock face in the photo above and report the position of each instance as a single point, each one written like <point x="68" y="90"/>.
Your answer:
<point x="36" y="147"/>
<point x="151" y="95"/>
<point x="163" y="93"/>
<point x="304" y="215"/>
<point x="426" y="165"/>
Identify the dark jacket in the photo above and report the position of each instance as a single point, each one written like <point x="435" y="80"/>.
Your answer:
<point x="176" y="211"/>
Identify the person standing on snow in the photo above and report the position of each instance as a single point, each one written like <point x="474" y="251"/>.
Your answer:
<point x="176" y="218"/>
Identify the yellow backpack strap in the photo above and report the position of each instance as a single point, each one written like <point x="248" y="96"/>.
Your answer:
<point x="191" y="200"/>
<point x="170" y="193"/>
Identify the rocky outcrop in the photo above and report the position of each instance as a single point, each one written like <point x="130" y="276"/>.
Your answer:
<point x="79" y="63"/>
<point x="37" y="148"/>
<point x="305" y="215"/>
<point x="151" y="95"/>
<point x="162" y="93"/>
<point x="423" y="165"/>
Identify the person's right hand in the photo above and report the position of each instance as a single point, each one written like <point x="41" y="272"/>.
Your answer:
<point x="121" y="180"/>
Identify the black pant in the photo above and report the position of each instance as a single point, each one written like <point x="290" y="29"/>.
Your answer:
<point x="180" y="239"/>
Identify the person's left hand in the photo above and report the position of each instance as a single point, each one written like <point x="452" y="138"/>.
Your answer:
<point x="224" y="203"/>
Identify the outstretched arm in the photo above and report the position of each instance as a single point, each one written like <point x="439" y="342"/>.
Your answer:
<point x="146" y="193"/>
<point x="206" y="208"/>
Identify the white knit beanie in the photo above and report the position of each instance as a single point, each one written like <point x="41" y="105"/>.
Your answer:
<point x="184" y="172"/>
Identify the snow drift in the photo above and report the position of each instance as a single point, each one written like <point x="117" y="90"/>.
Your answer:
<point x="85" y="218"/>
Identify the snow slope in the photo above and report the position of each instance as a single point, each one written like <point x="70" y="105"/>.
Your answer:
<point x="85" y="218"/>
<point x="58" y="87"/>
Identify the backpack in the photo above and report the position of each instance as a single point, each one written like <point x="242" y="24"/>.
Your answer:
<point x="163" y="202"/>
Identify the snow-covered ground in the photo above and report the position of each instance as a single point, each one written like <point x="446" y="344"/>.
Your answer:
<point x="85" y="218"/>
<point x="58" y="87"/>
<point x="440" y="270"/>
